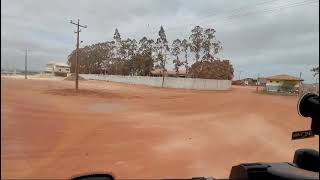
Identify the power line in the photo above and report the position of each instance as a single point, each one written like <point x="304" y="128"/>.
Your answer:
<point x="234" y="16"/>
<point x="277" y="8"/>
<point x="270" y="11"/>
<point x="215" y="14"/>
<point x="233" y="10"/>
<point x="228" y="18"/>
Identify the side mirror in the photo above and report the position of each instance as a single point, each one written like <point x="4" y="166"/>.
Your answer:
<point x="308" y="106"/>
<point x="94" y="177"/>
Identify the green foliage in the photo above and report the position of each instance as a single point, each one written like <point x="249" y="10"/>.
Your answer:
<point x="93" y="58"/>
<point x="185" y="46"/>
<point x="288" y="86"/>
<point x="214" y="69"/>
<point x="176" y="47"/>
<point x="161" y="61"/>
<point x="146" y="45"/>
<point x="315" y="70"/>
<point x="117" y="36"/>
<point x="162" y="48"/>
<point x="143" y="64"/>
<point x="196" y="39"/>
<point x="176" y="50"/>
<point x="211" y="46"/>
<point x="204" y="43"/>
<point x="130" y="57"/>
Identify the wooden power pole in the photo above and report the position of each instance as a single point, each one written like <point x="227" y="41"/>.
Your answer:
<point x="77" y="51"/>
<point x="300" y="85"/>
<point x="163" y="70"/>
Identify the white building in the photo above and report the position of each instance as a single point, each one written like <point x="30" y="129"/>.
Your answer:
<point x="58" y="69"/>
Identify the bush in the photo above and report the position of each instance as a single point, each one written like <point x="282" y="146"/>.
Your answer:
<point x="215" y="69"/>
<point x="288" y="86"/>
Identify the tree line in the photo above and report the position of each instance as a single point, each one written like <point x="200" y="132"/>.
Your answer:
<point x="196" y="55"/>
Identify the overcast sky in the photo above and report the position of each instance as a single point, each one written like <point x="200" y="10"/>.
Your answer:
<point x="264" y="37"/>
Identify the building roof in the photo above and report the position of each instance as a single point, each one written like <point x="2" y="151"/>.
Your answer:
<point x="284" y="77"/>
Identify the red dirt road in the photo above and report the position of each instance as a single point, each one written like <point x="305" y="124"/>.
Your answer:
<point x="49" y="131"/>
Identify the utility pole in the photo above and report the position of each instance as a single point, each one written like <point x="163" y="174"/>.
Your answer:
<point x="163" y="68"/>
<point x="257" y="83"/>
<point x="163" y="74"/>
<point x="77" y="51"/>
<point x="25" y="64"/>
<point x="300" y="84"/>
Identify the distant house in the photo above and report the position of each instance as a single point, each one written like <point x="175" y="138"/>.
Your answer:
<point x="58" y="69"/>
<point x="261" y="81"/>
<point x="276" y="83"/>
<point x="158" y="73"/>
<point x="245" y="82"/>
<point x="250" y="82"/>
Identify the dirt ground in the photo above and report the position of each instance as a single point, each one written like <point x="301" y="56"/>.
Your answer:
<point x="50" y="131"/>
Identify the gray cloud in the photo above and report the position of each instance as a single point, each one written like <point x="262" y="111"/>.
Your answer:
<point x="259" y="37"/>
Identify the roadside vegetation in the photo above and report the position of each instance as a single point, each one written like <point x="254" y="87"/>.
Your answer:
<point x="196" y="56"/>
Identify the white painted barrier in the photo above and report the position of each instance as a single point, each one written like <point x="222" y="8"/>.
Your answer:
<point x="169" y="82"/>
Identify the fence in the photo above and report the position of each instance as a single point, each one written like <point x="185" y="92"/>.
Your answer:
<point x="169" y="82"/>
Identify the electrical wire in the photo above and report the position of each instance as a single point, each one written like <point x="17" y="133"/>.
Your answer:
<point x="227" y="18"/>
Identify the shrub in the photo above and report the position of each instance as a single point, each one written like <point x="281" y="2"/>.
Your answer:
<point x="288" y="86"/>
<point x="215" y="69"/>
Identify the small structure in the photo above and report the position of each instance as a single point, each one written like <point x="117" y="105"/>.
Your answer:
<point x="58" y="69"/>
<point x="283" y="83"/>
<point x="245" y="82"/>
<point x="261" y="81"/>
<point x="158" y="73"/>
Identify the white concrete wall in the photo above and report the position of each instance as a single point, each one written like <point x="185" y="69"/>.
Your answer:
<point x="169" y="82"/>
